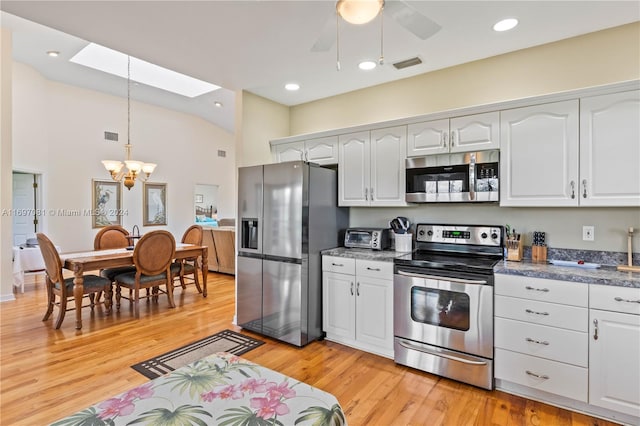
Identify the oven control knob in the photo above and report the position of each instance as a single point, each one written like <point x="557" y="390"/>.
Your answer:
<point x="421" y="233"/>
<point x="483" y="235"/>
<point x="430" y="233"/>
<point x="494" y="236"/>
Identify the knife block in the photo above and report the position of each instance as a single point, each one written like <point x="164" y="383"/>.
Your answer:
<point x="539" y="254"/>
<point x="514" y="250"/>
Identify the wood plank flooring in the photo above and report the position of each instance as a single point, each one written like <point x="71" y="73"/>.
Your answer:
<point x="47" y="374"/>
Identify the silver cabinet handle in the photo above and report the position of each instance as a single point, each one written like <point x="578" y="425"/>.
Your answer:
<point x="453" y="137"/>
<point x="373" y="269"/>
<point x="358" y="289"/>
<point x="584" y="188"/>
<point x="336" y="264"/>
<point x="352" y="288"/>
<point x="444" y="139"/>
<point x="371" y="193"/>
<point x="366" y="194"/>
<point x="537" y="376"/>
<point x="529" y="311"/>
<point x="595" y="329"/>
<point x="620" y="299"/>
<point x="537" y="289"/>
<point x="306" y="156"/>
<point x="573" y="190"/>
<point x="530" y="340"/>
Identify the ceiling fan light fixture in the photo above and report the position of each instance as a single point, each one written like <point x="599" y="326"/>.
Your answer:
<point x="359" y="11"/>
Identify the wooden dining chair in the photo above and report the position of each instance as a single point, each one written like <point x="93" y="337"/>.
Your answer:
<point x="58" y="286"/>
<point x="152" y="257"/>
<point x="190" y="266"/>
<point x="112" y="237"/>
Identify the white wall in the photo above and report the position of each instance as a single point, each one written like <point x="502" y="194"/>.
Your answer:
<point x="59" y="132"/>
<point x="6" y="234"/>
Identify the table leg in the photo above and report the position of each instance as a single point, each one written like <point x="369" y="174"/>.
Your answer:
<point x="205" y="270"/>
<point x="78" y="292"/>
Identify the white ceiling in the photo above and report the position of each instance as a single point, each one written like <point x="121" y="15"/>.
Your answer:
<point x="260" y="45"/>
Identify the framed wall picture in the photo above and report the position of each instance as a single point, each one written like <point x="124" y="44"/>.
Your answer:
<point x="154" y="204"/>
<point x="106" y="199"/>
<point x="199" y="198"/>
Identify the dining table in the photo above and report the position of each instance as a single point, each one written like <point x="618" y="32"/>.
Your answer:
<point x="82" y="262"/>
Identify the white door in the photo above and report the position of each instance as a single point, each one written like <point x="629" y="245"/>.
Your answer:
<point x="374" y="313"/>
<point x="354" y="171"/>
<point x="539" y="155"/>
<point x="475" y="132"/>
<point x="339" y="313"/>
<point x="322" y="151"/>
<point x="614" y="370"/>
<point x="431" y="137"/>
<point x="24" y="208"/>
<point x="388" y="154"/>
<point x="610" y="150"/>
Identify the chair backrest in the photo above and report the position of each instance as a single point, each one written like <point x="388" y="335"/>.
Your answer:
<point x="111" y="237"/>
<point x="193" y="235"/>
<point x="52" y="262"/>
<point x="154" y="252"/>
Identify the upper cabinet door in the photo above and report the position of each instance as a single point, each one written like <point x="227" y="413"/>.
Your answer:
<point x="610" y="150"/>
<point x="289" y="152"/>
<point x="431" y="137"/>
<point x="388" y="154"/>
<point x="322" y="151"/>
<point x="539" y="155"/>
<point x="475" y="132"/>
<point x="354" y="171"/>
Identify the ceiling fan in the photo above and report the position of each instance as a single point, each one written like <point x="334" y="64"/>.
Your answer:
<point x="401" y="12"/>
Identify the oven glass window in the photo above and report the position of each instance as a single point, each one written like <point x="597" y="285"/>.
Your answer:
<point x="360" y="237"/>
<point x="442" y="308"/>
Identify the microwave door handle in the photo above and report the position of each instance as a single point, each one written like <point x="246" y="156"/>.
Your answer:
<point x="472" y="178"/>
<point x="435" y="277"/>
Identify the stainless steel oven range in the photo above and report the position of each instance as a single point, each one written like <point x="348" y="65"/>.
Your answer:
<point x="443" y="302"/>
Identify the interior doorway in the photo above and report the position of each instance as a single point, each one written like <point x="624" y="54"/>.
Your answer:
<point x="26" y="203"/>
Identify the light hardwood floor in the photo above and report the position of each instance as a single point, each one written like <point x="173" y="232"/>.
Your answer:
<point x="48" y="374"/>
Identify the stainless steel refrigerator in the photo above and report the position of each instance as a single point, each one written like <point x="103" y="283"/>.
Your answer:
<point x="287" y="214"/>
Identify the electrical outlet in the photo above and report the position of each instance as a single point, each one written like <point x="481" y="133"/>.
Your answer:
<point x="588" y="233"/>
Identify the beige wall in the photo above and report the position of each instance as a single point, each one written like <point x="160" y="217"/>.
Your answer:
<point x="594" y="59"/>
<point x="6" y="234"/>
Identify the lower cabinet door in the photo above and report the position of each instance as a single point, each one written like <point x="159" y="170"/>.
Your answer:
<point x="374" y="313"/>
<point x="339" y="308"/>
<point x="542" y="374"/>
<point x="614" y="370"/>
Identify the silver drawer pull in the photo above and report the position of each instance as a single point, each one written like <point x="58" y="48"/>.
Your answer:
<point x="373" y="269"/>
<point x="337" y="264"/>
<point x="537" y="376"/>
<point x="529" y="311"/>
<point x="530" y="340"/>
<point x="620" y="299"/>
<point x="537" y="289"/>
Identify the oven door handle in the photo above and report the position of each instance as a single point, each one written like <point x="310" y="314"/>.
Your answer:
<point x="440" y="354"/>
<point x="435" y="277"/>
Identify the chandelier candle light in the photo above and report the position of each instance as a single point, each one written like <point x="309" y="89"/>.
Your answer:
<point x="133" y="167"/>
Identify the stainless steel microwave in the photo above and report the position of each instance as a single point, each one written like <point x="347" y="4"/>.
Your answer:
<point x="369" y="238"/>
<point x="466" y="177"/>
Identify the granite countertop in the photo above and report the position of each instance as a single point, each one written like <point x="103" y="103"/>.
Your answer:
<point x="605" y="275"/>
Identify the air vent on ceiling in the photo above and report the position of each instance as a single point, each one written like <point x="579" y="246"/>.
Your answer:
<point x="222" y="153"/>
<point x="407" y="63"/>
<point x="110" y="136"/>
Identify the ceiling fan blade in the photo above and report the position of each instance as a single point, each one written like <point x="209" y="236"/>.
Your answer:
<point x="412" y="20"/>
<point x="327" y="36"/>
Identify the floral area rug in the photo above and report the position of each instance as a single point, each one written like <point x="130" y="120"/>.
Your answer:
<point x="224" y="341"/>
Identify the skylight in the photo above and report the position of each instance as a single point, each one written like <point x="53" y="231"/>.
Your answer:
<point x="113" y="62"/>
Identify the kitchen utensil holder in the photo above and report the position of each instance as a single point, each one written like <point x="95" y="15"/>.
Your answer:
<point x="539" y="254"/>
<point x="404" y="242"/>
<point x="514" y="250"/>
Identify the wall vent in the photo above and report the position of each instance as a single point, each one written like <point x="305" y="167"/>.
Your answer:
<point x="111" y="136"/>
<point x="407" y="63"/>
<point x="222" y="153"/>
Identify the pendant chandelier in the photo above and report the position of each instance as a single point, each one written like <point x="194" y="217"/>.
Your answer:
<point x="133" y="168"/>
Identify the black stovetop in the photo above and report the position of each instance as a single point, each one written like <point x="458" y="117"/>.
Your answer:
<point x="463" y="262"/>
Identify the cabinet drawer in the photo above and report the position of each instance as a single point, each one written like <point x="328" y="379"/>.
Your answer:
<point x="567" y="293"/>
<point x="374" y="269"/>
<point x="342" y="265"/>
<point x="553" y="377"/>
<point x="552" y="343"/>
<point x="617" y="299"/>
<point x="552" y="314"/>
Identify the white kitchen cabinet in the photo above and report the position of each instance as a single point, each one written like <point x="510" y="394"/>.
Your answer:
<point x="614" y="349"/>
<point x="541" y="336"/>
<point x="610" y="150"/>
<point x="323" y="151"/>
<point x="539" y="155"/>
<point x="372" y="168"/>
<point x="459" y="134"/>
<point x="572" y="153"/>
<point x="358" y="306"/>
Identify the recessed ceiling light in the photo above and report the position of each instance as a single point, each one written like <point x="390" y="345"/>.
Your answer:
<point x="114" y="62"/>
<point x="218" y="104"/>
<point x="367" y="65"/>
<point x="292" y="87"/>
<point x="505" y="24"/>
<point x="53" y="53"/>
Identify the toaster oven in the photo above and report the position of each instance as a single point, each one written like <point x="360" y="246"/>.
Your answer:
<point x="369" y="238"/>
